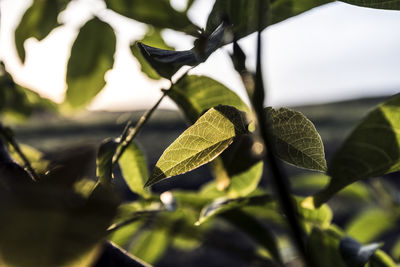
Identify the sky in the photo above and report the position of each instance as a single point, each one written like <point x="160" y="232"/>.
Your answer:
<point x="330" y="53"/>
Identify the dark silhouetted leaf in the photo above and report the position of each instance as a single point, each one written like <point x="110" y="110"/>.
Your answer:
<point x="152" y="38"/>
<point x="38" y="21"/>
<point x="158" y="13"/>
<point x="167" y="62"/>
<point x="295" y="139"/>
<point x="380" y="4"/>
<point x="92" y="55"/>
<point x="134" y="169"/>
<point x="372" y="149"/>
<point x="200" y="143"/>
<point x="355" y="254"/>
<point x="104" y="161"/>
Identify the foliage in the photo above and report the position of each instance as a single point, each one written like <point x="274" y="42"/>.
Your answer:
<point x="53" y="213"/>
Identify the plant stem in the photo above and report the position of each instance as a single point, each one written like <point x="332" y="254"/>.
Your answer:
<point x="279" y="178"/>
<point x="8" y="136"/>
<point x="129" y="133"/>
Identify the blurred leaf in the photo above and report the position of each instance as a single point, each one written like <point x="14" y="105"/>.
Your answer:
<point x="295" y="139"/>
<point x="316" y="181"/>
<point x="158" y="13"/>
<point x="256" y="230"/>
<point x="166" y="62"/>
<point x="122" y="236"/>
<point x="372" y="149"/>
<point x="222" y="205"/>
<point x="355" y="254"/>
<point x="104" y="161"/>
<point x="113" y="255"/>
<point x="151" y="245"/>
<point x="381" y="259"/>
<point x="312" y="216"/>
<point x="38" y="21"/>
<point x="52" y="226"/>
<point x="34" y="156"/>
<point x="380" y="4"/>
<point x="134" y="169"/>
<point x="369" y="224"/>
<point x="152" y="38"/>
<point x="323" y="245"/>
<point x="200" y="143"/>
<point x="395" y="252"/>
<point x="92" y="55"/>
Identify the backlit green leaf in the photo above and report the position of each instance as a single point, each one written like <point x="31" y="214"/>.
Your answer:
<point x="372" y="149"/>
<point x="295" y="139"/>
<point x="38" y="21"/>
<point x="200" y="143"/>
<point x="158" y="13"/>
<point x="369" y="224"/>
<point x="152" y="38"/>
<point x="134" y="169"/>
<point x="92" y="55"/>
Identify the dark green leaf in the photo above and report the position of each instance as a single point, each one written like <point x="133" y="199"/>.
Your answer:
<point x="134" y="169"/>
<point x="380" y="4"/>
<point x="372" y="149"/>
<point x="104" y="161"/>
<point x="167" y="62"/>
<point x="295" y="139"/>
<point x="92" y="55"/>
<point x="158" y="13"/>
<point x="369" y="224"/>
<point x="38" y="21"/>
<point x="152" y="38"/>
<point x="355" y="254"/>
<point x="200" y="143"/>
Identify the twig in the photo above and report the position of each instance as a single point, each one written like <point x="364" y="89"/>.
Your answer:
<point x="9" y="138"/>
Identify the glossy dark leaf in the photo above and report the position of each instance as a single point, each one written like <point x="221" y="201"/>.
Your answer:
<point x="372" y="149"/>
<point x="92" y="55"/>
<point x="152" y="38"/>
<point x="38" y="21"/>
<point x="200" y="143"/>
<point x="167" y="62"/>
<point x="295" y="139"/>
<point x="158" y="13"/>
<point x="355" y="254"/>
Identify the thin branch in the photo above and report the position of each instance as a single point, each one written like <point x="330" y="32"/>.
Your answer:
<point x="9" y="138"/>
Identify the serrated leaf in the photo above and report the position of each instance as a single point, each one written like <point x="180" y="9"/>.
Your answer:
<point x="372" y="149"/>
<point x="166" y="62"/>
<point x="369" y="224"/>
<point x="104" y="161"/>
<point x="92" y="55"/>
<point x="134" y="169"/>
<point x="200" y="143"/>
<point x="158" y="13"/>
<point x="152" y="38"/>
<point x="38" y="21"/>
<point x="355" y="254"/>
<point x="295" y="139"/>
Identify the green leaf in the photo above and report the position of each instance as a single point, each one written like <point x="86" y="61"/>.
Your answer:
<point x="312" y="216"/>
<point x="200" y="143"/>
<point x="222" y="205"/>
<point x="104" y="161"/>
<point x="369" y="224"/>
<point x="152" y="38"/>
<point x="134" y="169"/>
<point x="355" y="254"/>
<point x="381" y="259"/>
<point x="92" y="55"/>
<point x="380" y="4"/>
<point x="395" y="251"/>
<point x="196" y="94"/>
<point x="295" y="139"/>
<point x="167" y="62"/>
<point x="38" y="21"/>
<point x="158" y="13"/>
<point x="372" y="149"/>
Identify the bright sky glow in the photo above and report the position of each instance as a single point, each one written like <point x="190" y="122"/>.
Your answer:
<point x="333" y="52"/>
